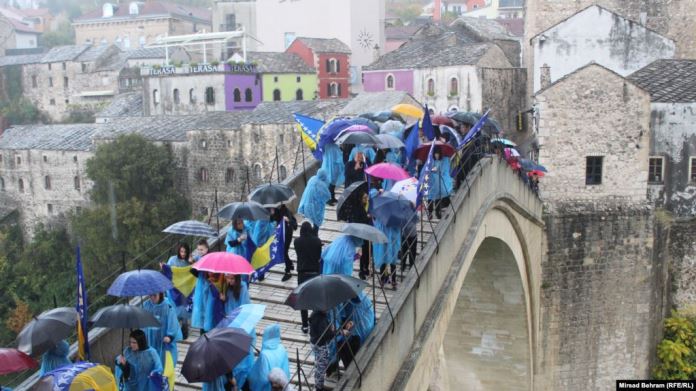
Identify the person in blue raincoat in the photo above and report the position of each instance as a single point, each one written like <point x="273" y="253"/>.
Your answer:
<point x="357" y="319"/>
<point x="236" y="239"/>
<point x="393" y="156"/>
<point x="359" y="310"/>
<point x="272" y="355"/>
<point x="208" y="309"/>
<point x="387" y="253"/>
<point x="55" y="358"/>
<point x="314" y="198"/>
<point x="338" y="257"/>
<point x="182" y="257"/>
<point x="259" y="232"/>
<point x="334" y="166"/>
<point x="138" y="364"/>
<point x="367" y="150"/>
<point x="440" y="183"/>
<point x="235" y="293"/>
<point x="164" y="338"/>
<point x="241" y="371"/>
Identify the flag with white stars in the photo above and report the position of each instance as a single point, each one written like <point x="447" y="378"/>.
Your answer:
<point x="424" y="181"/>
<point x="272" y="253"/>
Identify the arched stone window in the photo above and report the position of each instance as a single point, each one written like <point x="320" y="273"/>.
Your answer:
<point x="454" y="86"/>
<point x="283" y="173"/>
<point x="248" y="95"/>
<point x="192" y="96"/>
<point x="389" y="83"/>
<point x="229" y="175"/>
<point x="76" y="181"/>
<point x="203" y="174"/>
<point x="237" y="95"/>
<point x="20" y="185"/>
<point x="155" y="97"/>
<point x="431" y="87"/>
<point x="333" y="90"/>
<point x="209" y="96"/>
<point x="276" y="95"/>
<point x="299" y="94"/>
<point x="47" y="182"/>
<point x="177" y="98"/>
<point x="257" y="171"/>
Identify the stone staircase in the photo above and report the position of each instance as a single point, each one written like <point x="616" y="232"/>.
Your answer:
<point x="272" y="292"/>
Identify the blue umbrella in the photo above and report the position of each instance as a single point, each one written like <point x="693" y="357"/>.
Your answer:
<point x="392" y="210"/>
<point x="530" y="165"/>
<point x="504" y="141"/>
<point x="365" y="121"/>
<point x="244" y="317"/>
<point x="139" y="283"/>
<point x="328" y="133"/>
<point x="191" y="228"/>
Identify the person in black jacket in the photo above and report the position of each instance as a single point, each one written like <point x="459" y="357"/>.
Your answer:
<point x="308" y="249"/>
<point x="283" y="213"/>
<point x="355" y="169"/>
<point x="321" y="332"/>
<point x="358" y="214"/>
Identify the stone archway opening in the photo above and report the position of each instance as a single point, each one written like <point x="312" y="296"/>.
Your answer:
<point x="487" y="346"/>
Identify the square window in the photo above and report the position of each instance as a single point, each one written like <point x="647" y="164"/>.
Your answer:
<point x="45" y="159"/>
<point x="593" y="170"/>
<point x="692" y="169"/>
<point x="275" y="79"/>
<point x="50" y="82"/>
<point x="656" y="170"/>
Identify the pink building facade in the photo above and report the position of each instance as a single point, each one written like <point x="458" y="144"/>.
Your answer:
<point x="396" y="80"/>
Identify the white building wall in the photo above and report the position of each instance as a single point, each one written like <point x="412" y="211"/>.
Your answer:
<point x="468" y="97"/>
<point x="184" y="83"/>
<point x="598" y="35"/>
<point x="25" y="41"/>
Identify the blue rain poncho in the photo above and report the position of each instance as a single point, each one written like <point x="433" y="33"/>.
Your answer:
<point x="232" y="236"/>
<point x="241" y="371"/>
<point x="440" y="180"/>
<point x="217" y="385"/>
<point x="363" y="316"/>
<point x="259" y="232"/>
<point x="332" y="163"/>
<point x="338" y="257"/>
<point x="55" y="358"/>
<point x="272" y="355"/>
<point x="165" y="313"/>
<point x="368" y="151"/>
<point x="231" y="303"/>
<point x="141" y="365"/>
<point x="387" y="253"/>
<point x="208" y="309"/>
<point x="176" y="261"/>
<point x="314" y="198"/>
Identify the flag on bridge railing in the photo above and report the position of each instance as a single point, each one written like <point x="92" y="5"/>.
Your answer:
<point x="308" y="128"/>
<point x="412" y="141"/>
<point x="474" y="130"/>
<point x="424" y="180"/>
<point x="271" y="253"/>
<point x="81" y="307"/>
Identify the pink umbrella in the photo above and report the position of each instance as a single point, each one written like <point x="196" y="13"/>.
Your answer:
<point x="353" y="129"/>
<point x="387" y="171"/>
<point x="225" y="263"/>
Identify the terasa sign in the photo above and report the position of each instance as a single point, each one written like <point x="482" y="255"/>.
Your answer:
<point x="242" y="68"/>
<point x="204" y="68"/>
<point x="168" y="70"/>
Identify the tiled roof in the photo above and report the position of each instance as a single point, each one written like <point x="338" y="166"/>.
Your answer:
<point x="400" y="32"/>
<point x="22" y="27"/>
<point x="486" y="29"/>
<point x="93" y="53"/>
<point x="124" y="105"/>
<point x="325" y="45"/>
<point x="146" y="53"/>
<point x="668" y="80"/>
<point x="64" y="53"/>
<point x="281" y="112"/>
<point x="20" y="59"/>
<point x="368" y="102"/>
<point x="279" y="62"/>
<point x="75" y="137"/>
<point x="150" y="8"/>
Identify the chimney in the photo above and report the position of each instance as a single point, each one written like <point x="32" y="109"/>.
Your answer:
<point x="437" y="11"/>
<point x="545" y="76"/>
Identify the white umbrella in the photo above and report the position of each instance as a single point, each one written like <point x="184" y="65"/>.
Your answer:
<point x="407" y="187"/>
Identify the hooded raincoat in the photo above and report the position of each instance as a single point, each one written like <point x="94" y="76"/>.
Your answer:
<point x="440" y="179"/>
<point x="55" y="358"/>
<point x="387" y="253"/>
<point x="241" y="371"/>
<point x="217" y="385"/>
<point x="273" y="355"/>
<point x="165" y="312"/>
<point x="141" y="364"/>
<point x="314" y="198"/>
<point x="231" y="303"/>
<point x="232" y="236"/>
<point x="363" y="316"/>
<point x="208" y="309"/>
<point x="259" y="232"/>
<point x="333" y="164"/>
<point x="339" y="256"/>
<point x="368" y="151"/>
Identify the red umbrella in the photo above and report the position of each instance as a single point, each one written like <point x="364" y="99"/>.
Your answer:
<point x="536" y="172"/>
<point x="12" y="360"/>
<point x="225" y="263"/>
<point x="387" y="171"/>
<point x="442" y="120"/>
<point x="423" y="149"/>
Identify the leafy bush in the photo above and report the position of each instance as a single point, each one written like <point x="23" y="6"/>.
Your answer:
<point x="676" y="353"/>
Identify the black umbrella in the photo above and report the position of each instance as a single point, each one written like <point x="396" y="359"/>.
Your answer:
<point x="249" y="210"/>
<point x="364" y="231"/>
<point x="215" y="354"/>
<point x="123" y="316"/>
<point x="464" y="117"/>
<point x="348" y="199"/>
<point x="325" y="292"/>
<point x="392" y="210"/>
<point x="271" y="195"/>
<point x="46" y="330"/>
<point x="491" y="127"/>
<point x="358" y="138"/>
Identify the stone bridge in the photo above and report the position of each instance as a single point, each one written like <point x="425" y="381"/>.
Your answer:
<point x="471" y="319"/>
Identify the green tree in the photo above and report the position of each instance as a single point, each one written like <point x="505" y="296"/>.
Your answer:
<point x="63" y="35"/>
<point x="21" y="111"/>
<point x="676" y="352"/>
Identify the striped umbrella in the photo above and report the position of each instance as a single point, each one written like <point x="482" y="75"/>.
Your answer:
<point x="191" y="228"/>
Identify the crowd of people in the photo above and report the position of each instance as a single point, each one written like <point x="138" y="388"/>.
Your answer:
<point x="335" y="336"/>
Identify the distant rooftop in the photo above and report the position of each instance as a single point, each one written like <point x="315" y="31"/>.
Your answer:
<point x="400" y="32"/>
<point x="148" y="9"/>
<point x="124" y="105"/>
<point x="325" y="45"/>
<point x="279" y="62"/>
<point x="668" y="81"/>
<point x="22" y="59"/>
<point x="376" y="101"/>
<point x="486" y="29"/>
<point x="64" y="53"/>
<point x="76" y="137"/>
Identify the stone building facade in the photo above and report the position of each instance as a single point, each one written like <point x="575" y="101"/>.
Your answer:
<point x="183" y="90"/>
<point x="136" y="24"/>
